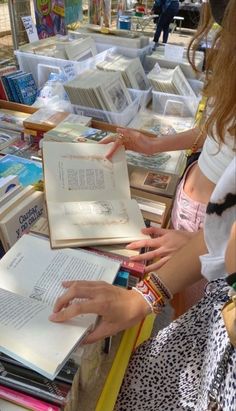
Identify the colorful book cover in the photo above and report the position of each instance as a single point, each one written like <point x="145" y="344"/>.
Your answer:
<point x="28" y="171"/>
<point x="6" y="84"/>
<point x="50" y="17"/>
<point x="26" y="88"/>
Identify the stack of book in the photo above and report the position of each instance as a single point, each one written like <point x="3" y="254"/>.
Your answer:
<point x="62" y="48"/>
<point x="100" y="90"/>
<point x="172" y="81"/>
<point x="131" y="70"/>
<point x="158" y="56"/>
<point x="19" y="87"/>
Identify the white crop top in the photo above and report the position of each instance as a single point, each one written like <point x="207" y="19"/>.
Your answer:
<point x="213" y="159"/>
<point x="220" y="216"/>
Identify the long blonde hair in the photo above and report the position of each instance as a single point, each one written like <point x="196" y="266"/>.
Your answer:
<point x="220" y="85"/>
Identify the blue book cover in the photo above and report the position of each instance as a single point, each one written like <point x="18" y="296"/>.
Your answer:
<point x="28" y="171"/>
<point x="12" y="86"/>
<point x="5" y="80"/>
<point x="26" y="88"/>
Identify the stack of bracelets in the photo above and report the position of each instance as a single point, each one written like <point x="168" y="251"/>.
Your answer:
<point x="154" y="292"/>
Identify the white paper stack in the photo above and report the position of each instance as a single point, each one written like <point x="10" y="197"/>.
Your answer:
<point x="131" y="70"/>
<point x="158" y="56"/>
<point x="100" y="90"/>
<point x="172" y="81"/>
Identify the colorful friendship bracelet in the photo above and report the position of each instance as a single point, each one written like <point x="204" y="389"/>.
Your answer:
<point x="157" y="283"/>
<point x="154" y="292"/>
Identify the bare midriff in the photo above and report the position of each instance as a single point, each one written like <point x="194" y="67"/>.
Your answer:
<point x="197" y="186"/>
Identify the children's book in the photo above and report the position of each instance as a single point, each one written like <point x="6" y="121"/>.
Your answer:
<point x="88" y="196"/>
<point x="30" y="282"/>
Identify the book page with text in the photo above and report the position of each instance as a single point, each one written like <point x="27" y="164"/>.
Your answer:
<point x="80" y="172"/>
<point x="32" y="269"/>
<point x="28" y="336"/>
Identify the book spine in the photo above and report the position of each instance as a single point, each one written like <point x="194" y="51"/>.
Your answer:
<point x="26" y="400"/>
<point x="7" y="88"/>
<point x="3" y="93"/>
<point x="31" y="383"/>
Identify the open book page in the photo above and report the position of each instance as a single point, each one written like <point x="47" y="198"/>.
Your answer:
<point x="98" y="220"/>
<point x="40" y="277"/>
<point x="28" y="335"/>
<point x="80" y="172"/>
<point x="29" y="287"/>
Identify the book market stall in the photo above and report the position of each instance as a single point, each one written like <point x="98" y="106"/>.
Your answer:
<point x="62" y="219"/>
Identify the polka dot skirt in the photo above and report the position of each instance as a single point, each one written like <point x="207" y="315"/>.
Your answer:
<point x="174" y="371"/>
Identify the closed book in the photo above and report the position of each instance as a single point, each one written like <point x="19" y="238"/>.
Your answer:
<point x="158" y="182"/>
<point x="4" y="71"/>
<point x="26" y="88"/>
<point x="18" y="221"/>
<point x="25" y="381"/>
<point x="5" y="80"/>
<point x="28" y="401"/>
<point x="66" y="374"/>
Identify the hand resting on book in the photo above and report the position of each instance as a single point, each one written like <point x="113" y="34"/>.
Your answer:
<point x="118" y="308"/>
<point x="163" y="244"/>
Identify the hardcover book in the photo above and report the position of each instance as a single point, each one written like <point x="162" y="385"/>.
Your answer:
<point x="18" y="221"/>
<point x="154" y="182"/>
<point x="29" y="288"/>
<point x="88" y="196"/>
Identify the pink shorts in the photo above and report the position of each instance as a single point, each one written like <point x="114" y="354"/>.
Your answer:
<point x="187" y="214"/>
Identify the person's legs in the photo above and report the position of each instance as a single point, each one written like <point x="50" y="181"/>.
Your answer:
<point x="171" y="11"/>
<point x="159" y="27"/>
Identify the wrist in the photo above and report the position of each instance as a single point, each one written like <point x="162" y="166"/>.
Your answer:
<point x="154" y="291"/>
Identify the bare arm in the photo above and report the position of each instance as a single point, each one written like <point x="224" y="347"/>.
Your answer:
<point x="146" y="143"/>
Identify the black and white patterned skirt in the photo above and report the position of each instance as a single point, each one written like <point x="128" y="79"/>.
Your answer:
<point x="174" y="371"/>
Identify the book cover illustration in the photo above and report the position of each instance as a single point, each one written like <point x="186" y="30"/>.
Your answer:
<point x="28" y="171"/>
<point x="26" y="88"/>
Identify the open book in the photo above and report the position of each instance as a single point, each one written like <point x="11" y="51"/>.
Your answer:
<point x="30" y="282"/>
<point x="88" y="197"/>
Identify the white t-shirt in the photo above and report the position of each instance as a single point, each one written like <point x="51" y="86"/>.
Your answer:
<point x="220" y="215"/>
<point x="214" y="159"/>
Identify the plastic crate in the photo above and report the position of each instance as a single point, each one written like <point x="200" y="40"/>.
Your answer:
<point x="145" y="96"/>
<point x="29" y="63"/>
<point x="174" y="104"/>
<point x="127" y="52"/>
<point x="120" y="119"/>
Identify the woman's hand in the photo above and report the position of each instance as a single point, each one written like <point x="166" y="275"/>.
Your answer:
<point x="118" y="308"/>
<point x="163" y="244"/>
<point x="131" y="140"/>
